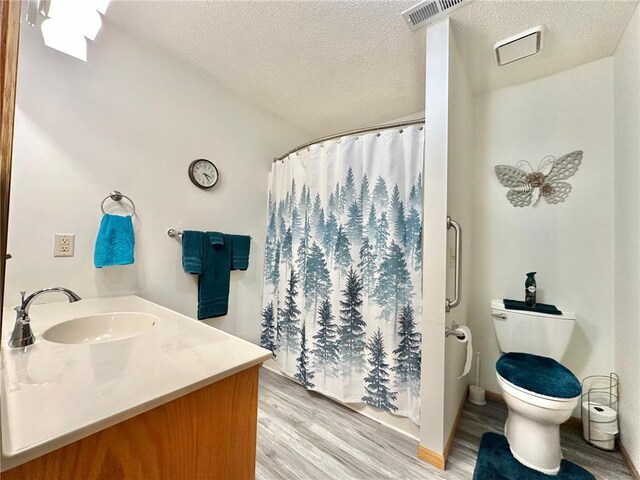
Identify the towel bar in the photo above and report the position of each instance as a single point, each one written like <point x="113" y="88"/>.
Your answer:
<point x="172" y="232"/>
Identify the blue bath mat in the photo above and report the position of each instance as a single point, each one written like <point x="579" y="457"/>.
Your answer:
<point x="495" y="462"/>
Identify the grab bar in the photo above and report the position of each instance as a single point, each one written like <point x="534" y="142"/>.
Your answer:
<point x="449" y="304"/>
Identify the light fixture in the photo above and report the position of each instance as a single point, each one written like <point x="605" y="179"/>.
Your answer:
<point x="61" y="36"/>
<point x="68" y="23"/>
<point x="519" y="46"/>
<point x="81" y="14"/>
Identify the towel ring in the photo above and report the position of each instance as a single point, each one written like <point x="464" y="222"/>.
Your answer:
<point x="117" y="196"/>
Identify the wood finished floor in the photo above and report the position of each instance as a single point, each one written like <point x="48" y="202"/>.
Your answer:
<point x="304" y="435"/>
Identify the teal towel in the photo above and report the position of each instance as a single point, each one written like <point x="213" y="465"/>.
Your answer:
<point x="192" y="245"/>
<point x="240" y="245"/>
<point x="216" y="238"/>
<point x="115" y="241"/>
<point x="213" y="283"/>
<point x="208" y="254"/>
<point x="539" y="307"/>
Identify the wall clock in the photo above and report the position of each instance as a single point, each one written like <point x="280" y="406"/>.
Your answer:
<point x="203" y="174"/>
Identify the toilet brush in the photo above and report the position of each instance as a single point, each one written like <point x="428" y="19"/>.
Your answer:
<point x="476" y="392"/>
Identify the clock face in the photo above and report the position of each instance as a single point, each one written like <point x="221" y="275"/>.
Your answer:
<point x="203" y="173"/>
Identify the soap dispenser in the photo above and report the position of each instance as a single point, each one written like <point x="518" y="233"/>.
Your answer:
<point x="530" y="290"/>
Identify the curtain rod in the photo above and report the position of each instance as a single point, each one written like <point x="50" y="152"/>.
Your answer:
<point x="375" y="128"/>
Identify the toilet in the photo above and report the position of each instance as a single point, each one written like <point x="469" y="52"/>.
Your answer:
<point x="540" y="392"/>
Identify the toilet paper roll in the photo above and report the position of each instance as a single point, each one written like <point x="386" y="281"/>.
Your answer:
<point x="605" y="444"/>
<point x="595" y="436"/>
<point x="602" y="419"/>
<point x="468" y="340"/>
<point x="606" y="441"/>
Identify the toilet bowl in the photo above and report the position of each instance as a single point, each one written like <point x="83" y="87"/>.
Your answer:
<point x="540" y="392"/>
<point x="533" y="423"/>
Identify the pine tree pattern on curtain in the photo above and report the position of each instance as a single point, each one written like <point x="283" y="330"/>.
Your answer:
<point x="342" y="309"/>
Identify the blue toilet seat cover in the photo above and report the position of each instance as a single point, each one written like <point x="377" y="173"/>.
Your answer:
<point x="541" y="375"/>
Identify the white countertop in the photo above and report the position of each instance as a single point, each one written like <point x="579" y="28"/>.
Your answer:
<point x="55" y="394"/>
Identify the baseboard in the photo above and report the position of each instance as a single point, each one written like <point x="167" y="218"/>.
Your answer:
<point x="573" y="422"/>
<point x="493" y="396"/>
<point x="431" y="457"/>
<point x="454" y="427"/>
<point x="627" y="459"/>
<point x="439" y="460"/>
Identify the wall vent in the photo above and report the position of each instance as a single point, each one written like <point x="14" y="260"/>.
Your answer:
<point x="429" y="11"/>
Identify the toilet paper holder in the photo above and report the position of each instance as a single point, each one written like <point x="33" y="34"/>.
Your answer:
<point x="453" y="330"/>
<point x="599" y="410"/>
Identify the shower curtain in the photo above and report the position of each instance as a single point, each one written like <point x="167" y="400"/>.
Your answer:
<point x="342" y="306"/>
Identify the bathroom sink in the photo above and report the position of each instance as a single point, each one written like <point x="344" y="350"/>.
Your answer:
<point x="101" y="328"/>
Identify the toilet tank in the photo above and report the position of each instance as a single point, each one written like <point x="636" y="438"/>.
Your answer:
<point x="532" y="332"/>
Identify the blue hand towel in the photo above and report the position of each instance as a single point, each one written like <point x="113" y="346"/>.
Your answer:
<point x="208" y="254"/>
<point x="213" y="283"/>
<point x="192" y="245"/>
<point x="115" y="241"/>
<point x="216" y="238"/>
<point x="240" y="245"/>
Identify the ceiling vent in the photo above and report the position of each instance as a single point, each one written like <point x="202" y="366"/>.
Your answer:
<point x="430" y="11"/>
<point x="519" y="46"/>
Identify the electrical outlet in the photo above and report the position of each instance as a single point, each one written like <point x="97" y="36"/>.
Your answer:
<point x="63" y="244"/>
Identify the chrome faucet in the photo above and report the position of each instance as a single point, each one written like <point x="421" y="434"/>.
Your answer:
<point x="22" y="335"/>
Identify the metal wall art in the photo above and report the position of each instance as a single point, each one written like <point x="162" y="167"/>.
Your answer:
<point x="528" y="186"/>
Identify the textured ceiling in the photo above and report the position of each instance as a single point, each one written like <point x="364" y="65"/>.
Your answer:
<point x="325" y="66"/>
<point x="328" y="66"/>
<point x="576" y="32"/>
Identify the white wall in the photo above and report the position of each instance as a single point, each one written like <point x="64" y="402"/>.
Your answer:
<point x="459" y="203"/>
<point x="570" y="245"/>
<point x="448" y="148"/>
<point x="132" y="118"/>
<point x="626" y="64"/>
<point x="434" y="237"/>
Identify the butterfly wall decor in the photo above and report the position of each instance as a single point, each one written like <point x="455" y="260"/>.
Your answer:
<point x="547" y="182"/>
